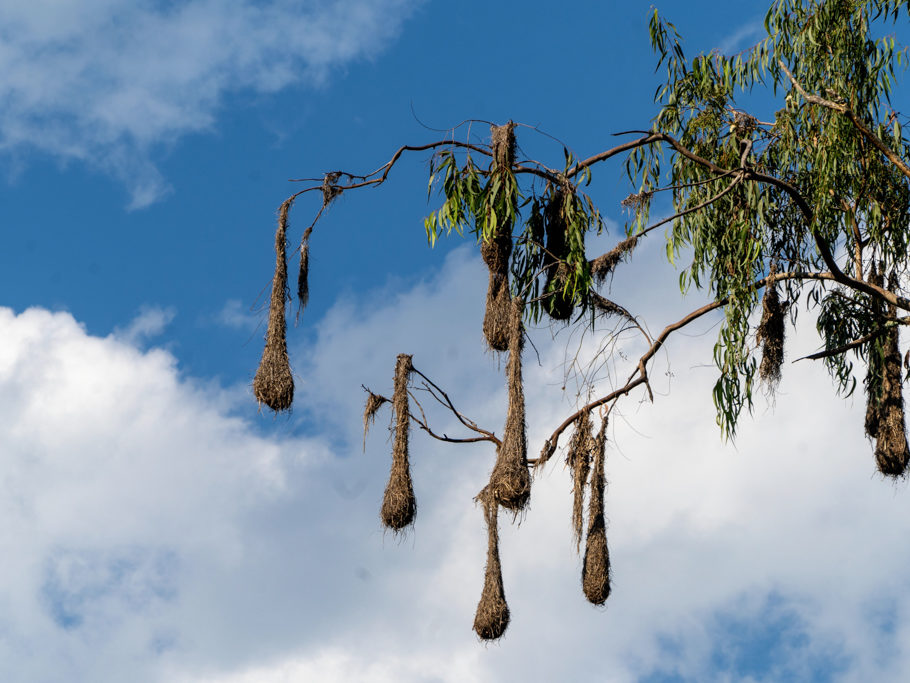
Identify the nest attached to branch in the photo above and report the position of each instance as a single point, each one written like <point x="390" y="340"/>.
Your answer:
<point x="497" y="250"/>
<point x="510" y="481"/>
<point x="885" y="419"/>
<point x="604" y="264"/>
<point x="503" y="144"/>
<point x="492" y="616"/>
<point x="579" y="461"/>
<point x="559" y="304"/>
<point x="273" y="384"/>
<point x="399" y="506"/>
<point x="595" y="570"/>
<point x="770" y="335"/>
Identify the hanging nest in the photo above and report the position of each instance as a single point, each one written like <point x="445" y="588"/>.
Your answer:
<point x="560" y="304"/>
<point x="510" y="481"/>
<point x="604" y="264"/>
<point x="373" y="404"/>
<point x="273" y="384"/>
<point x="496" y="315"/>
<point x="875" y="370"/>
<point x="492" y="616"/>
<point x="579" y="461"/>
<point x="497" y="250"/>
<point x="398" y="504"/>
<point x="770" y="335"/>
<point x="891" y="451"/>
<point x="595" y="570"/>
<point x="885" y="420"/>
<point x="503" y="145"/>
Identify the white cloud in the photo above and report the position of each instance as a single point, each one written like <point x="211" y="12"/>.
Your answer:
<point x="149" y="322"/>
<point x="105" y="81"/>
<point x="151" y="536"/>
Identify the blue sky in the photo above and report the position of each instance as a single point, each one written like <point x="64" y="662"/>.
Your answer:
<point x="159" y="528"/>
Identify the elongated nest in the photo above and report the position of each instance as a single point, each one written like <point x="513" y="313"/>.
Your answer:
<point x="503" y="144"/>
<point x="492" y="617"/>
<point x="579" y="461"/>
<point x="559" y="304"/>
<point x="770" y="335"/>
<point x="497" y="312"/>
<point x="399" y="505"/>
<point x="891" y="450"/>
<point x="273" y="384"/>
<point x="595" y="571"/>
<point x="510" y="481"/>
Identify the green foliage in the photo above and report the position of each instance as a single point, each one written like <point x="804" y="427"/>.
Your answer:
<point x="854" y="201"/>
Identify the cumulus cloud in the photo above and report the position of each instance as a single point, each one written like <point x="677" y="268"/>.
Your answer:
<point x="152" y="536"/>
<point x="105" y="81"/>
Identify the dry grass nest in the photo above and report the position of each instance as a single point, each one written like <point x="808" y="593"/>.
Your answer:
<point x="604" y="264"/>
<point x="578" y="459"/>
<point x="595" y="572"/>
<point x="492" y="617"/>
<point x="891" y="450"/>
<point x="273" y="384"/>
<point x="497" y="312"/>
<point x="510" y="481"/>
<point x="503" y="144"/>
<point x="399" y="506"/>
<point x="770" y="335"/>
<point x="559" y="304"/>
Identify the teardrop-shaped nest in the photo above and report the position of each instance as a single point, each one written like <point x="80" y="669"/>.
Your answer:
<point x="595" y="572"/>
<point x="399" y="505"/>
<point x="273" y="384"/>
<point x="510" y="481"/>
<point x="492" y="617"/>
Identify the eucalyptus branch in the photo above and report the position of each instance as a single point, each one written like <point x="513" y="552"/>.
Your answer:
<point x="842" y="108"/>
<point x="639" y="376"/>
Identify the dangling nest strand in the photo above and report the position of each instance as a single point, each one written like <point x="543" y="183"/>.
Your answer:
<point x="373" y="404"/>
<point x="891" y="451"/>
<point x="604" y="264"/>
<point x="579" y="461"/>
<point x="303" y="274"/>
<point x="510" y="481"/>
<point x="492" y="616"/>
<point x="770" y="335"/>
<point x="273" y="384"/>
<point x="399" y="505"/>
<point x="595" y="571"/>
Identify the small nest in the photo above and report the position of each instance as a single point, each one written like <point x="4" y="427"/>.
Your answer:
<point x="559" y="304"/>
<point x="595" y="570"/>
<point x="770" y="335"/>
<point x="503" y="144"/>
<point x="603" y="265"/>
<point x="510" y="481"/>
<point x="492" y="617"/>
<point x="303" y="274"/>
<point x="579" y="461"/>
<point x="399" y="505"/>
<point x="891" y="451"/>
<point x="273" y="384"/>
<point x="373" y="404"/>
